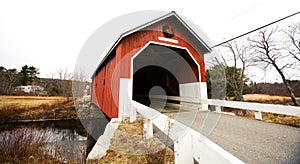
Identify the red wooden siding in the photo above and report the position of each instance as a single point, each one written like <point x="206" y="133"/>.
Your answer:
<point x="106" y="96"/>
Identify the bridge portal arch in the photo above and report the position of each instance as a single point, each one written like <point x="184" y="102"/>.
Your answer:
<point x="165" y="66"/>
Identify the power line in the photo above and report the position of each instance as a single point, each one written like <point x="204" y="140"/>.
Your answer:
<point x="255" y="29"/>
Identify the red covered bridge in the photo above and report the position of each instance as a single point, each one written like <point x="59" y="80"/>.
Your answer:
<point x="165" y="52"/>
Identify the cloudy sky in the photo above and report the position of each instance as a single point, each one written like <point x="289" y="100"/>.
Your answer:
<point x="50" y="34"/>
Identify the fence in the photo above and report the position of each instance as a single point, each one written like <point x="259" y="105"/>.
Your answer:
<point x="192" y="146"/>
<point x="256" y="107"/>
<point x="189" y="145"/>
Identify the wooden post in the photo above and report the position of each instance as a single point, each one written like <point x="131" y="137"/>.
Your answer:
<point x="148" y="129"/>
<point x="132" y="112"/>
<point x="258" y="115"/>
<point x="218" y="108"/>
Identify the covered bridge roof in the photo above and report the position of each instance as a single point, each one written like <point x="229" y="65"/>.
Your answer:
<point x="195" y="35"/>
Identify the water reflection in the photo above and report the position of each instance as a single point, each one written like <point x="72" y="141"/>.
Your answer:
<point x="65" y="140"/>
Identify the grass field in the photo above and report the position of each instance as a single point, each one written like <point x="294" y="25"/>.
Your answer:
<point x="35" y="107"/>
<point x="269" y="117"/>
<point x="268" y="99"/>
<point x="28" y="101"/>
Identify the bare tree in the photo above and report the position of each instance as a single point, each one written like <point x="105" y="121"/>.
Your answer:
<point x="79" y="83"/>
<point x="293" y="33"/>
<point x="270" y="54"/>
<point x="12" y="79"/>
<point x="65" y="83"/>
<point x="60" y="73"/>
<point x="235" y="70"/>
<point x="64" y="74"/>
<point x="80" y="75"/>
<point x="8" y="80"/>
<point x="67" y="75"/>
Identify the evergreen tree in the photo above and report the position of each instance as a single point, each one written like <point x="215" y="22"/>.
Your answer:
<point x="28" y="75"/>
<point x="224" y="81"/>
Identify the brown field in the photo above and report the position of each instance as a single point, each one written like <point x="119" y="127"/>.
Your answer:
<point x="269" y="117"/>
<point x="268" y="99"/>
<point x="14" y="108"/>
<point x="28" y="101"/>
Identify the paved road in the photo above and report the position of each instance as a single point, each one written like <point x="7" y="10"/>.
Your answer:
<point x="252" y="141"/>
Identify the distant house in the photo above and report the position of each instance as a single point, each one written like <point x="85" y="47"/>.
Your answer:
<point x="31" y="89"/>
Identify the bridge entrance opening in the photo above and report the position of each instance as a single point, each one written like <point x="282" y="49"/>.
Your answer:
<point x="164" y="67"/>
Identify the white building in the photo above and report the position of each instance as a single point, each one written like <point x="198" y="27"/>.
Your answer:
<point x="30" y="89"/>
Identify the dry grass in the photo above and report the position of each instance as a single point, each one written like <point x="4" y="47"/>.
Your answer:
<point x="22" y="146"/>
<point x="281" y="119"/>
<point x="14" y="108"/>
<point x="129" y="146"/>
<point x="28" y="101"/>
<point x="269" y="117"/>
<point x="25" y="145"/>
<point x="268" y="99"/>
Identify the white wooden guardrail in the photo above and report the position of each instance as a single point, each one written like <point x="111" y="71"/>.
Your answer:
<point x="189" y="145"/>
<point x="256" y="107"/>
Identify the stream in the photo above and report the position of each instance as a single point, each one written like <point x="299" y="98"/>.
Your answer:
<point x="64" y="140"/>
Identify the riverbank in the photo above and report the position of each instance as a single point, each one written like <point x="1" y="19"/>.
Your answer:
<point x="128" y="145"/>
<point x="43" y="142"/>
<point x="16" y="108"/>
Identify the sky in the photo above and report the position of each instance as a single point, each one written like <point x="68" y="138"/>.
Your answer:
<point x="50" y="34"/>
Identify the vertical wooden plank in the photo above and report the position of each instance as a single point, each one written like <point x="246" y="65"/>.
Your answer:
<point x="102" y="84"/>
<point x="97" y="89"/>
<point x="93" y="94"/>
<point x="105" y="91"/>
<point x="114" y="110"/>
<point x="108" y="90"/>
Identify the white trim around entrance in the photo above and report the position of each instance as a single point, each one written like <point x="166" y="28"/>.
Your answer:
<point x="167" y="45"/>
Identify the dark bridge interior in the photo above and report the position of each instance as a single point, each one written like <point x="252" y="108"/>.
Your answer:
<point x="162" y="66"/>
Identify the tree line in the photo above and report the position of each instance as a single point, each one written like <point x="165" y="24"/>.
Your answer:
<point x="29" y="75"/>
<point x="10" y="78"/>
<point x="270" y="48"/>
<point x="277" y="89"/>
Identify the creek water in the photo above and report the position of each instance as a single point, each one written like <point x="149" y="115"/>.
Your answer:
<point x="64" y="140"/>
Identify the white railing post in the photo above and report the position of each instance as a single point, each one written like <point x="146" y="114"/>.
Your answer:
<point x="218" y="108"/>
<point x="148" y="128"/>
<point x="126" y="108"/>
<point x="258" y="115"/>
<point x="123" y="99"/>
<point x="183" y="150"/>
<point x="189" y="145"/>
<point x="203" y="95"/>
<point x="133" y="113"/>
